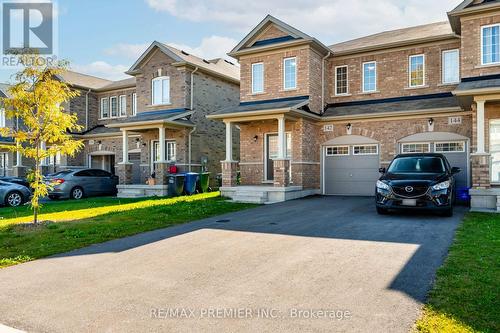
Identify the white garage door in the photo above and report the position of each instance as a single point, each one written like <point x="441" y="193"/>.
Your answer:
<point x="351" y="169"/>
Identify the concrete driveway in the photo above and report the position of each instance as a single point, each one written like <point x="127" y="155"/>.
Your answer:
<point x="268" y="269"/>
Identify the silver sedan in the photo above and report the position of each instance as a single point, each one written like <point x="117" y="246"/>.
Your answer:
<point x="76" y="184"/>
<point x="13" y="195"/>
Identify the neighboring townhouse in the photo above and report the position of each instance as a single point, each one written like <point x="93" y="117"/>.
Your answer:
<point x="7" y="158"/>
<point x="323" y="119"/>
<point x="156" y="118"/>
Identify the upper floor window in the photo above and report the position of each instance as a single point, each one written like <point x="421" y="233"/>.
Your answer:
<point x="123" y="105"/>
<point x="134" y="104"/>
<point x="114" y="106"/>
<point x="104" y="107"/>
<point x="290" y="73"/>
<point x="161" y="90"/>
<point x="2" y="117"/>
<point x="417" y="70"/>
<point x="451" y="66"/>
<point x="490" y="44"/>
<point x="341" y="87"/>
<point x="257" y="78"/>
<point x="370" y="76"/>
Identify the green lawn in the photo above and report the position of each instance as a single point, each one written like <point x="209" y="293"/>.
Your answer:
<point x="466" y="295"/>
<point x="81" y="223"/>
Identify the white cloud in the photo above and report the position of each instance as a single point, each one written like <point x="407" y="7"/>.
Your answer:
<point x="328" y="20"/>
<point x="210" y="47"/>
<point x="132" y="51"/>
<point x="103" y="70"/>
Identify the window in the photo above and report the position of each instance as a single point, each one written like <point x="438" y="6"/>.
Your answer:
<point x="451" y="66"/>
<point x="257" y="78"/>
<point x="339" y="150"/>
<point x="104" y="107"/>
<point x="490" y="44"/>
<point x="2" y="117"/>
<point x="365" y="150"/>
<point x="417" y="70"/>
<point x="161" y="90"/>
<point x="449" y="147"/>
<point x="123" y="106"/>
<point x="134" y="104"/>
<point x="341" y="86"/>
<point x="54" y="159"/>
<point x="370" y="76"/>
<point x="170" y="150"/>
<point x="290" y="73"/>
<point x="408" y="148"/>
<point x="114" y="106"/>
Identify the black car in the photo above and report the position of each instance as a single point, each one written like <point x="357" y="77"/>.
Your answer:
<point x="16" y="180"/>
<point x="418" y="181"/>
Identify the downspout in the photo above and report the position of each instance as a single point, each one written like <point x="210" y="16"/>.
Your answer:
<point x="191" y="108"/>
<point x="87" y="110"/>
<point x="323" y="81"/>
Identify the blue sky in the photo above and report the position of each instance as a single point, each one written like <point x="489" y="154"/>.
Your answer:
<point x="104" y="37"/>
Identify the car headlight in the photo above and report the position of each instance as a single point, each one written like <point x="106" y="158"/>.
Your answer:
<point x="383" y="186"/>
<point x="441" y="186"/>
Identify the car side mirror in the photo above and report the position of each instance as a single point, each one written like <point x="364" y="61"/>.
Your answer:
<point x="455" y="170"/>
<point x="381" y="170"/>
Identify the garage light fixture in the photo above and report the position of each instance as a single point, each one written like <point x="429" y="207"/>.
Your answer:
<point x="255" y="138"/>
<point x="348" y="128"/>
<point x="431" y="121"/>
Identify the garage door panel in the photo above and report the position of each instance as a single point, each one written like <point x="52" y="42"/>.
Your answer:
<point x="459" y="160"/>
<point x="351" y="188"/>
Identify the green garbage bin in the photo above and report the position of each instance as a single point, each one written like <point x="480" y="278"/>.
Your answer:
<point x="175" y="185"/>
<point x="203" y="182"/>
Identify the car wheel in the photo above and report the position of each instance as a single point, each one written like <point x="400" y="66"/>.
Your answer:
<point x="77" y="193"/>
<point x="382" y="211"/>
<point x="14" y="199"/>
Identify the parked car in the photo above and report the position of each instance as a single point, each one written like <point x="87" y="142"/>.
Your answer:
<point x="76" y="184"/>
<point x="418" y="181"/>
<point x="16" y="180"/>
<point x="13" y="195"/>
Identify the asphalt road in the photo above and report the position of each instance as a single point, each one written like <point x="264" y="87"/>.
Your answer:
<point x="316" y="264"/>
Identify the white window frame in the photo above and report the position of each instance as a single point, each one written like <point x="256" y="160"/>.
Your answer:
<point x="363" y="74"/>
<point x="365" y="154"/>
<point x="161" y="79"/>
<point x="122" y="106"/>
<point x="134" y="104"/>
<point x="111" y="107"/>
<point x="443" y="81"/>
<point x="482" y="45"/>
<point x="3" y="121"/>
<point x="331" y="154"/>
<point x="347" y="81"/>
<point x="168" y="142"/>
<point x="428" y="144"/>
<point x="284" y="74"/>
<point x="102" y="108"/>
<point x="423" y="70"/>
<point x="448" y="142"/>
<point x="263" y="75"/>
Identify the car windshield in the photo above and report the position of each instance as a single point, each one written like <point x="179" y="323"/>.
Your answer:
<point x="417" y="165"/>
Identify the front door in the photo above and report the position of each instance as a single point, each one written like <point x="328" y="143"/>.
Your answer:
<point x="272" y="152"/>
<point x="495" y="151"/>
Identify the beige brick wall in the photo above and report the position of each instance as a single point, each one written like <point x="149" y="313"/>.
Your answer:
<point x="471" y="45"/>
<point x="392" y="73"/>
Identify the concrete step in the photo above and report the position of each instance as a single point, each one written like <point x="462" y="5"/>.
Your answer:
<point x="247" y="199"/>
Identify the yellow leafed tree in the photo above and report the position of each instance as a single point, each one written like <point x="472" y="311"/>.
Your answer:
<point x="44" y="130"/>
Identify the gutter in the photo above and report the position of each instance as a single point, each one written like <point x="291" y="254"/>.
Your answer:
<point x="87" y="109"/>
<point x="189" y="148"/>
<point x="192" y="88"/>
<point x="323" y="82"/>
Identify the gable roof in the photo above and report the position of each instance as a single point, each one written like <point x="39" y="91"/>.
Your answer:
<point x="295" y="34"/>
<point x="83" y="80"/>
<point x="393" y="38"/>
<point x="219" y="67"/>
<point x="125" y="83"/>
<point x="4" y="90"/>
<point x="469" y="6"/>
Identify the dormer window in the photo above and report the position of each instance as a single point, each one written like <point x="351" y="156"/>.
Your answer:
<point x="490" y="44"/>
<point x="257" y="78"/>
<point x="160" y="90"/>
<point x="290" y="73"/>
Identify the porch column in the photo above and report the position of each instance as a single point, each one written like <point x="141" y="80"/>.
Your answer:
<point x="43" y="164"/>
<point x="124" y="168"/>
<point x="480" y="127"/>
<point x="161" y="171"/>
<point x="480" y="159"/>
<point x="19" y="170"/>
<point x="281" y="165"/>
<point x="229" y="167"/>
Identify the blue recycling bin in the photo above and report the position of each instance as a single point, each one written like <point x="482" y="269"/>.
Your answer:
<point x="463" y="194"/>
<point x="190" y="179"/>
